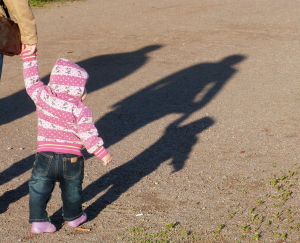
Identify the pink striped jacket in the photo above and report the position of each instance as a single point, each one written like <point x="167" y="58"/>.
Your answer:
<point x="65" y="124"/>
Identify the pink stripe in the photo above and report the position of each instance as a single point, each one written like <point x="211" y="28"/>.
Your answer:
<point x="68" y="148"/>
<point x="61" y="79"/>
<point x="101" y="152"/>
<point x="28" y="72"/>
<point x="67" y="116"/>
<point x="64" y="151"/>
<point x="55" y="134"/>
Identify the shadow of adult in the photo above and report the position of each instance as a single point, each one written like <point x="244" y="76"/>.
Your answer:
<point x="16" y="169"/>
<point x="183" y="92"/>
<point x="175" y="145"/>
<point x="103" y="70"/>
<point x="12" y="196"/>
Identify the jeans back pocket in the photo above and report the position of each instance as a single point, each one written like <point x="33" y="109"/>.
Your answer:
<point x="73" y="167"/>
<point x="42" y="164"/>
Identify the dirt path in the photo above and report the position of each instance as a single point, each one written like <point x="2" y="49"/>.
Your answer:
<point x="198" y="101"/>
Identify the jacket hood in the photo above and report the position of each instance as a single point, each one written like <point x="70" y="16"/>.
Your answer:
<point x="67" y="79"/>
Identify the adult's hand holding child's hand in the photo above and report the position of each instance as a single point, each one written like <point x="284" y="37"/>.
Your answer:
<point x="106" y="159"/>
<point x="30" y="49"/>
<point x="25" y="55"/>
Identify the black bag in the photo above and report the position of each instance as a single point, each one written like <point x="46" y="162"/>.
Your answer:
<point x="10" y="37"/>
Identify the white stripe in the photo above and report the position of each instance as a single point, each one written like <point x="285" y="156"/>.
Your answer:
<point x="46" y="112"/>
<point x="30" y="64"/>
<point x="56" y="103"/>
<point x="95" y="147"/>
<point x="89" y="133"/>
<point x="44" y="139"/>
<point x="34" y="95"/>
<point x="48" y="125"/>
<point x="77" y="111"/>
<point x="69" y="71"/>
<point x="68" y="89"/>
<point x="87" y="120"/>
<point x="31" y="81"/>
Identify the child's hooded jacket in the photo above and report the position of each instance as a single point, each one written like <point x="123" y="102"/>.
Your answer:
<point x="65" y="124"/>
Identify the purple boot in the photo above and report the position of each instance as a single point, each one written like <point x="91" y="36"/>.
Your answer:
<point x="76" y="222"/>
<point x="42" y="227"/>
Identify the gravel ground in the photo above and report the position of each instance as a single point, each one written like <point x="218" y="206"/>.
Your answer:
<point x="198" y="101"/>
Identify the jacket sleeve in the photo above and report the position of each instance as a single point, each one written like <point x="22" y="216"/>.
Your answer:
<point x="33" y="84"/>
<point x="88" y="133"/>
<point x="21" y="11"/>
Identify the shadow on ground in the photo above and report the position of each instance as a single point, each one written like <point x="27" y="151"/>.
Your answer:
<point x="183" y="93"/>
<point x="103" y="71"/>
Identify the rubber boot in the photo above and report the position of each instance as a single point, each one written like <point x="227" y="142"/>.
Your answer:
<point x="76" y="222"/>
<point x="42" y="227"/>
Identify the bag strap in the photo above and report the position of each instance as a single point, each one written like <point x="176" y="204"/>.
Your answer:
<point x="2" y="4"/>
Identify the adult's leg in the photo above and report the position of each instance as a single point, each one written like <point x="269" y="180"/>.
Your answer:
<point x="1" y="64"/>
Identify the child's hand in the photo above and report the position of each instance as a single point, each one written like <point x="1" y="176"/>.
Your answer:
<point x="106" y="159"/>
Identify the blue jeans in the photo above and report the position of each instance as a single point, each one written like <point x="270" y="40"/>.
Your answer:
<point x="1" y="64"/>
<point x="49" y="168"/>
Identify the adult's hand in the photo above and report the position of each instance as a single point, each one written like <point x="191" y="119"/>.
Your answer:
<point x="30" y="48"/>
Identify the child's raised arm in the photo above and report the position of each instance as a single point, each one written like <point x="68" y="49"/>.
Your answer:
<point x="31" y="75"/>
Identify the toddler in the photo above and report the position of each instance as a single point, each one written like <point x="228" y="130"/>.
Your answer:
<point x="65" y="126"/>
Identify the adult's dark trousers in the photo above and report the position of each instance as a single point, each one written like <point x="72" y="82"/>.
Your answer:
<point x="1" y="64"/>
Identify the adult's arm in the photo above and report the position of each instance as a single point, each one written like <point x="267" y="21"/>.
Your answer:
<point x="21" y="11"/>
